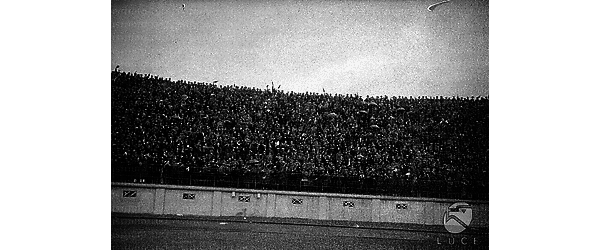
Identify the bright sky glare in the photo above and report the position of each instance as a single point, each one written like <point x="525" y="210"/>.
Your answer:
<point x="394" y="48"/>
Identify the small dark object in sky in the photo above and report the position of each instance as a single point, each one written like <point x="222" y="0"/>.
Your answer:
<point x="183" y="6"/>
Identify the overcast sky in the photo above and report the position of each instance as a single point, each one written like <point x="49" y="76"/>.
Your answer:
<point x="366" y="47"/>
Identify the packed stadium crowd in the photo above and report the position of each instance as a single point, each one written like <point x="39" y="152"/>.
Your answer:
<point x="161" y="126"/>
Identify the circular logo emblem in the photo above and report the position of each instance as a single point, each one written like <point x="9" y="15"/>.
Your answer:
<point x="458" y="217"/>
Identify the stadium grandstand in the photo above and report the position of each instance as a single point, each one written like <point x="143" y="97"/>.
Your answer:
<point x="207" y="134"/>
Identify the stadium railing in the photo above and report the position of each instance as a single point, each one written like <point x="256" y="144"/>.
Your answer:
<point x="324" y="184"/>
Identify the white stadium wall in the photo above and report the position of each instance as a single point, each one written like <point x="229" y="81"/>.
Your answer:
<point x="210" y="201"/>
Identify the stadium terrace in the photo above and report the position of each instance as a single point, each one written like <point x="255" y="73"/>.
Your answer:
<point x="204" y="134"/>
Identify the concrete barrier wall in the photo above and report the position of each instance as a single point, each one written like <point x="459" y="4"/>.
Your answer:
<point x="176" y="204"/>
<point x="413" y="213"/>
<point x="354" y="209"/>
<point x="297" y="206"/>
<point x="208" y="201"/>
<point x="126" y="199"/>
<point x="254" y="206"/>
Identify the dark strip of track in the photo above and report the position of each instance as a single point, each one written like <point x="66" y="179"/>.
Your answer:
<point x="184" y="232"/>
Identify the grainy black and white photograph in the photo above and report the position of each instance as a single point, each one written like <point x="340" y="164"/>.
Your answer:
<point x="299" y="124"/>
